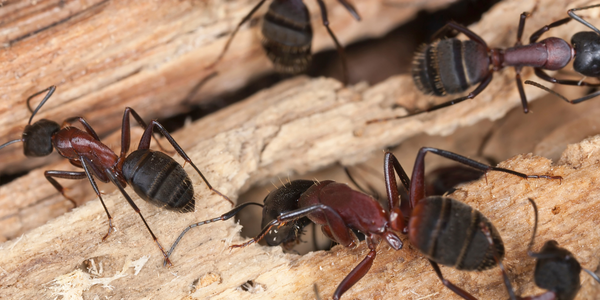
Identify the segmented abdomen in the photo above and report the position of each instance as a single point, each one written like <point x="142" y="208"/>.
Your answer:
<point x="287" y="36"/>
<point x="160" y="180"/>
<point x="449" y="66"/>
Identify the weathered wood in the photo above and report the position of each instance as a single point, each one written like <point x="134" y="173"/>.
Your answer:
<point x="569" y="211"/>
<point x="105" y="55"/>
<point x="276" y="132"/>
<point x="308" y="115"/>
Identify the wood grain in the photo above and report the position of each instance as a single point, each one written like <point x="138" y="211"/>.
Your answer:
<point x="106" y="55"/>
<point x="274" y="133"/>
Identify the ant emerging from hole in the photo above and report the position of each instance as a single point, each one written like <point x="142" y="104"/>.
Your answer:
<point x="153" y="175"/>
<point x="340" y="210"/>
<point x="450" y="66"/>
<point x="556" y="270"/>
<point x="287" y="35"/>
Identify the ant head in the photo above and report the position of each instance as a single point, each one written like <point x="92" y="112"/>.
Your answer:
<point x="557" y="270"/>
<point x="285" y="199"/>
<point x="37" y="138"/>
<point x="587" y="53"/>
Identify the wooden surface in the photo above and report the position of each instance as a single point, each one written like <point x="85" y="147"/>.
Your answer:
<point x="275" y="133"/>
<point x="106" y="55"/>
<point x="333" y="116"/>
<point x="205" y="268"/>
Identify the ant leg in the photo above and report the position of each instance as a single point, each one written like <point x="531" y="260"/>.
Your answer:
<point x="85" y="124"/>
<point x="521" y="90"/>
<point x="462" y="293"/>
<point x="350" y="8"/>
<point x="391" y="164"/>
<point x="338" y="46"/>
<point x="544" y="76"/>
<point x="327" y="232"/>
<point x="524" y="16"/>
<point x="130" y="201"/>
<point x="84" y="163"/>
<point x="571" y="13"/>
<point x="145" y="144"/>
<point x="574" y="101"/>
<point x="50" y="90"/>
<point x="358" y="272"/>
<point x="65" y="175"/>
<point x="462" y="29"/>
<point x="417" y="186"/>
<point x="226" y="216"/>
<point x="334" y="221"/>
<point x="244" y="20"/>
<point x="126" y="136"/>
<point x="536" y="35"/>
<point x="484" y="83"/>
<point x="511" y="292"/>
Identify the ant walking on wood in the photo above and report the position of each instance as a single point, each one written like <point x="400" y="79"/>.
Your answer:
<point x="153" y="175"/>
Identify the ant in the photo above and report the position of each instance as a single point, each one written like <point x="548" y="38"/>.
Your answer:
<point x="287" y="35"/>
<point x="142" y="169"/>
<point x="340" y="210"/>
<point x="556" y="270"/>
<point x="450" y="66"/>
<point x="586" y="57"/>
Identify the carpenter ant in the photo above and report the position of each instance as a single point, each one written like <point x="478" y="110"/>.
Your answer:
<point x="340" y="209"/>
<point x="586" y="47"/>
<point x="142" y="169"/>
<point x="450" y="66"/>
<point x="445" y="230"/>
<point x="287" y="34"/>
<point x="556" y="270"/>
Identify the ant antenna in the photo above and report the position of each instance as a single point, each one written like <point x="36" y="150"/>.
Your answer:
<point x="11" y="142"/>
<point x="535" y="210"/>
<point x="577" y="18"/>
<point x="50" y="90"/>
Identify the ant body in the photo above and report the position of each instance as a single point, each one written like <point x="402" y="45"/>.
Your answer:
<point x="287" y="34"/>
<point x="556" y="270"/>
<point x="141" y="169"/>
<point x="450" y="66"/>
<point x="340" y="209"/>
<point x="586" y="47"/>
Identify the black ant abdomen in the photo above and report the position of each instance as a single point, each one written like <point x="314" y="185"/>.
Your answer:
<point x="449" y="66"/>
<point x="160" y="180"/>
<point x="447" y="232"/>
<point x="279" y="201"/>
<point x="287" y="36"/>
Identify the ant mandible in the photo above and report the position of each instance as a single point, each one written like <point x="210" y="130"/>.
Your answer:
<point x="287" y="34"/>
<point x="340" y="209"/>
<point x="556" y="270"/>
<point x="450" y="66"/>
<point x="142" y="169"/>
